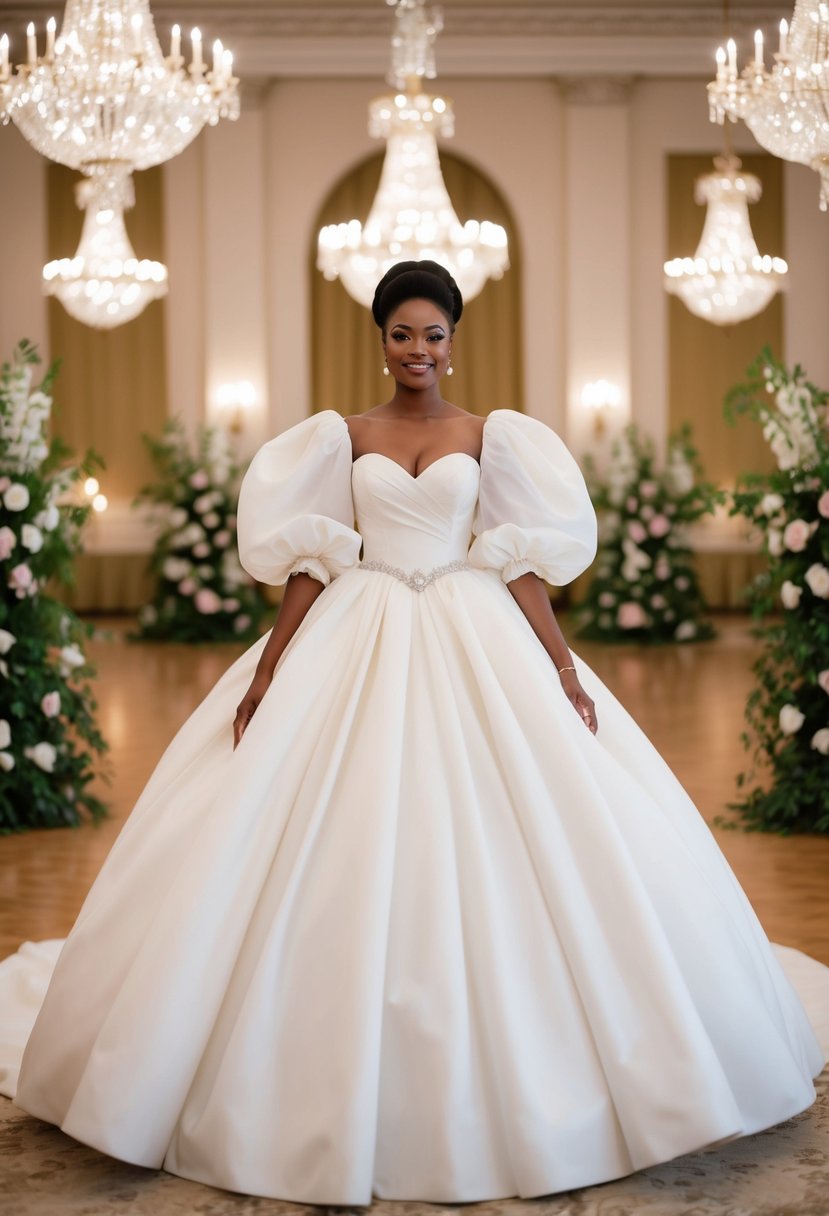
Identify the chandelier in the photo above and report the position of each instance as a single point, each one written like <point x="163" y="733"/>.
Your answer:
<point x="103" y="99"/>
<point x="412" y="216"/>
<point x="727" y="280"/>
<point x="786" y="108"/>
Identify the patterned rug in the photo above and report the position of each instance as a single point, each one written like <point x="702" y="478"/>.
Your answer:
<point x="780" y="1172"/>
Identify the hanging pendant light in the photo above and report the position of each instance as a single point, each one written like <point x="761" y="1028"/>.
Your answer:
<point x="104" y="284"/>
<point x="727" y="280"/>
<point x="412" y="216"/>
<point x="786" y="108"/>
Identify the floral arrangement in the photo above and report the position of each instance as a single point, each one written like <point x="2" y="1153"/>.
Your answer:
<point x="787" y="714"/>
<point x="48" y="738"/>
<point x="645" y="587"/>
<point x="203" y="593"/>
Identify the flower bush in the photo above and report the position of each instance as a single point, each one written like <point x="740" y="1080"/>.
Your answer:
<point x="645" y="587"/>
<point x="787" y="714"/>
<point x="203" y="594"/>
<point x="49" y="742"/>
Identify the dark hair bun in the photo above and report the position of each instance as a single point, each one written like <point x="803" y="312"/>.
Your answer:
<point x="417" y="281"/>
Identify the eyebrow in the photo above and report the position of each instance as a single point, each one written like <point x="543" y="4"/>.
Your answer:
<point x="400" y="325"/>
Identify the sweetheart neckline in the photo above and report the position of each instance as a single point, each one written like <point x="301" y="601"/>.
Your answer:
<point x="415" y="476"/>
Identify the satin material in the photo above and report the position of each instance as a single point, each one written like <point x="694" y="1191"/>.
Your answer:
<point x="421" y="935"/>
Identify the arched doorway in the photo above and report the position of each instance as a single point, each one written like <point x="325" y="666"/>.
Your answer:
<point x="346" y="359"/>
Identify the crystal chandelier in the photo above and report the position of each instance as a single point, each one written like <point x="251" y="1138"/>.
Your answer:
<point x="104" y="284"/>
<point x="727" y="280"/>
<point x="103" y="99"/>
<point x="412" y="216"/>
<point x="786" y="108"/>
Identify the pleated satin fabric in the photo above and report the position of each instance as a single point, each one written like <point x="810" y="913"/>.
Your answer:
<point x="422" y="935"/>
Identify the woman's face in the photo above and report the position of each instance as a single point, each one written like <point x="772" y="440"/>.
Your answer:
<point x="417" y="343"/>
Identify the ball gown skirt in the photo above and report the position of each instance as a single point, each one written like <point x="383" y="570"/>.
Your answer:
<point x="422" y="935"/>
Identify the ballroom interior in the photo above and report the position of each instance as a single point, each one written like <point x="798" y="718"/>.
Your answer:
<point x="581" y="128"/>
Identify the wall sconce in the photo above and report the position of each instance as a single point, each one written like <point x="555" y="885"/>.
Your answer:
<point x="601" y="398"/>
<point x="92" y="490"/>
<point x="234" y="400"/>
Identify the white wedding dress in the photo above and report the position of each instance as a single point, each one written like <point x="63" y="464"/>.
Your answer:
<point x="422" y="935"/>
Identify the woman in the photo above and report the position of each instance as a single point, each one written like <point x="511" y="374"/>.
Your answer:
<point x="421" y="933"/>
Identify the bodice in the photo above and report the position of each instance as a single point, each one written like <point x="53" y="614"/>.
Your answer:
<point x="418" y="522"/>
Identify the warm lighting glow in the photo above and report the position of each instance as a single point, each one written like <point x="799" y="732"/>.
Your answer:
<point x="100" y="502"/>
<point x="91" y="487"/>
<point x="785" y="107"/>
<point x="234" y="400"/>
<point x="727" y="280"/>
<point x="601" y="398"/>
<point x="412" y="216"/>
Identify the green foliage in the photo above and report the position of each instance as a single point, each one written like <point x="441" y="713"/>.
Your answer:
<point x="787" y="714"/>
<point x="645" y="586"/>
<point x="49" y="741"/>
<point x="203" y="594"/>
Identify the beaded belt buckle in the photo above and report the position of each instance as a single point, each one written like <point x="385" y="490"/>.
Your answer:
<point x="418" y="580"/>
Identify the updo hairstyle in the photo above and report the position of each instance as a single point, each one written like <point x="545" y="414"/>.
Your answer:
<point x="417" y="281"/>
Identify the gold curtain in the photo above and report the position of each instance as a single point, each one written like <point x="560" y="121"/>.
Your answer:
<point x="111" y="387"/>
<point x="346" y="356"/>
<point x="112" y="383"/>
<point x="705" y="359"/>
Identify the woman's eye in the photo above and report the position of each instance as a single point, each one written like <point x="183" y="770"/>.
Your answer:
<point x="399" y="337"/>
<point x="436" y="337"/>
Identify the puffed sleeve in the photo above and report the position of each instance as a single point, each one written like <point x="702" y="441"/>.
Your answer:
<point x="295" y="509"/>
<point x="534" y="512"/>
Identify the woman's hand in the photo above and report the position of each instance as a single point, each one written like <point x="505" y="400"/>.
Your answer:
<point x="249" y="704"/>
<point x="579" y="699"/>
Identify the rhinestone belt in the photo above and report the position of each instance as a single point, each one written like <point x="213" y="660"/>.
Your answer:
<point x="418" y="580"/>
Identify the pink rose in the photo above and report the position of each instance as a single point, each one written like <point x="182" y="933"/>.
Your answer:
<point x="187" y="586"/>
<point x="631" y="504"/>
<point x="647" y="489"/>
<point x="50" y="704"/>
<point x="241" y="624"/>
<point x="201" y="550"/>
<point x="207" y="601"/>
<point x="199" y="480"/>
<point x="662" y="569"/>
<point x="636" y="531"/>
<point x="823" y="504"/>
<point x="660" y="525"/>
<point x="231" y="605"/>
<point x="8" y="540"/>
<point x="222" y="539"/>
<point x="631" y="616"/>
<point x="20" y="578"/>
<point x="5" y="482"/>
<point x="823" y="680"/>
<point x="796" y="535"/>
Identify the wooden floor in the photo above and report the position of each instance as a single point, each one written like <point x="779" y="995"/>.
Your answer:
<point x="689" y="701"/>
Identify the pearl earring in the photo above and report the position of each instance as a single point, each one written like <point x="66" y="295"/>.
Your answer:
<point x="450" y="371"/>
<point x="386" y="371"/>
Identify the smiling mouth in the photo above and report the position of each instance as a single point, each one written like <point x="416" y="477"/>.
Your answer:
<point x="418" y="367"/>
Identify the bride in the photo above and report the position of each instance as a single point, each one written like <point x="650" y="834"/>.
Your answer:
<point x="419" y="929"/>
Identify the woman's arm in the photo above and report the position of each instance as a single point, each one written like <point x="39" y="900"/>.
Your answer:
<point x="300" y="593"/>
<point x="530" y="594"/>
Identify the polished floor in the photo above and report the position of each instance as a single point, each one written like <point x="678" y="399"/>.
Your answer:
<point x="689" y="701"/>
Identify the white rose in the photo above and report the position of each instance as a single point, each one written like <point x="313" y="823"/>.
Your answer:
<point x="51" y="518"/>
<point x="775" y="542"/>
<point x="685" y="630"/>
<point x="175" y="569"/>
<point x="5" y="733"/>
<point x="817" y="576"/>
<point x="31" y="538"/>
<point x="43" y="755"/>
<point x="6" y="761"/>
<point x="7" y="640"/>
<point x="770" y="504"/>
<point x="16" y="497"/>
<point x="820" y="741"/>
<point x="178" y="517"/>
<point x="790" y="719"/>
<point x="823" y="680"/>
<point x="72" y="656"/>
<point x="790" y="594"/>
